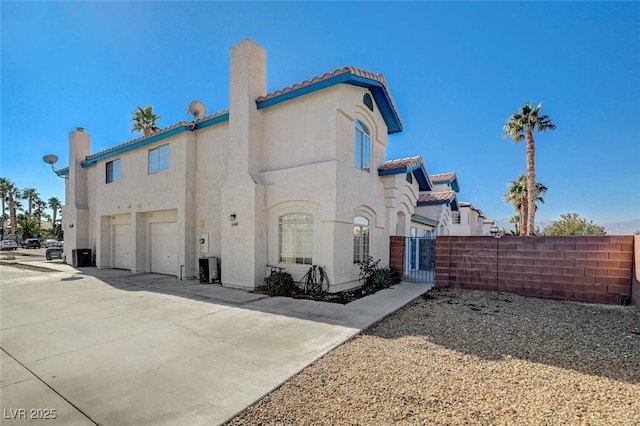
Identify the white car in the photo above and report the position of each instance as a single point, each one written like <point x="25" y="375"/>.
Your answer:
<point x="50" y="243"/>
<point x="8" y="245"/>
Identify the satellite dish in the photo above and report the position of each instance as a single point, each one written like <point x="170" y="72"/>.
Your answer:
<point x="198" y="110"/>
<point x="50" y="159"/>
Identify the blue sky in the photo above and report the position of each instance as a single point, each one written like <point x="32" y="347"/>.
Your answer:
<point x="455" y="70"/>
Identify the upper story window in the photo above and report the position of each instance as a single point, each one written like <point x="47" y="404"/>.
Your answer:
<point x="159" y="159"/>
<point x="410" y="177"/>
<point x="360" y="239"/>
<point x="296" y="238"/>
<point x="362" y="147"/>
<point x="455" y="217"/>
<point x="112" y="171"/>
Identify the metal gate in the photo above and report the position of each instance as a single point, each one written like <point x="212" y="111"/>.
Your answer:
<point x="420" y="259"/>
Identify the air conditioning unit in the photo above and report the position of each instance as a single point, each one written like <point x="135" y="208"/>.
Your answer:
<point x="209" y="270"/>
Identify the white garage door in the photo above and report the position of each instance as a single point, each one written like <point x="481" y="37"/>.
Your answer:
<point x="164" y="248"/>
<point x="122" y="246"/>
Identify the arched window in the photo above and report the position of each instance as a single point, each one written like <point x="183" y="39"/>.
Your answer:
<point x="362" y="147"/>
<point x="360" y="239"/>
<point x="296" y="238"/>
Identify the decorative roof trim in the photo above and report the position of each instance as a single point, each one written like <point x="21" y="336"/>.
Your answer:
<point x="424" y="220"/>
<point x="448" y="178"/>
<point x="181" y="127"/>
<point x="418" y="170"/>
<point x="451" y="200"/>
<point x="348" y="75"/>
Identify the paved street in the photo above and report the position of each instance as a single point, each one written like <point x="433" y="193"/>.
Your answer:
<point x="108" y="347"/>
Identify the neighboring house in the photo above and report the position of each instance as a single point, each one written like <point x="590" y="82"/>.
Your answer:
<point x="288" y="178"/>
<point x="439" y="206"/>
<point x="441" y="203"/>
<point x="468" y="220"/>
<point x="401" y="193"/>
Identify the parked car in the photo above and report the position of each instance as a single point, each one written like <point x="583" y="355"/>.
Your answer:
<point x="55" y="252"/>
<point x="8" y="245"/>
<point x="31" y="243"/>
<point x="50" y="242"/>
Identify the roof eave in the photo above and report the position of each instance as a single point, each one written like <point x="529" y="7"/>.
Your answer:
<point x="418" y="171"/>
<point x="379" y="92"/>
<point x="155" y="138"/>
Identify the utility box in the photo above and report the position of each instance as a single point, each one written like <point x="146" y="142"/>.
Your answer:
<point x="81" y="257"/>
<point x="209" y="270"/>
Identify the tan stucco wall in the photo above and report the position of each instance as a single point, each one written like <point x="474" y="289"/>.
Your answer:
<point x="294" y="156"/>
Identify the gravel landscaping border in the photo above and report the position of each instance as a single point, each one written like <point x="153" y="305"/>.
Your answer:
<point x="462" y="357"/>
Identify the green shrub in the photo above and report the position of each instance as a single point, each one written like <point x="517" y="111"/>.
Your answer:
<point x="280" y="284"/>
<point x="374" y="277"/>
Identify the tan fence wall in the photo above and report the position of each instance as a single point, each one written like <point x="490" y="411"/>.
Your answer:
<point x="396" y="254"/>
<point x="592" y="269"/>
<point x="635" y="282"/>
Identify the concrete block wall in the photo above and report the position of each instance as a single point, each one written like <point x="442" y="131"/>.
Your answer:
<point x="591" y="269"/>
<point x="396" y="253"/>
<point x="635" y="282"/>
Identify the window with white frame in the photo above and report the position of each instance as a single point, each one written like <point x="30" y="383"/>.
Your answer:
<point x="296" y="238"/>
<point x="362" y="147"/>
<point x="360" y="239"/>
<point x="112" y="171"/>
<point x="159" y="159"/>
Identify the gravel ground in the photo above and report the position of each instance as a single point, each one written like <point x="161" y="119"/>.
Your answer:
<point x="459" y="357"/>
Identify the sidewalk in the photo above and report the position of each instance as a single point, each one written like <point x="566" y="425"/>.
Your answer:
<point x="115" y="348"/>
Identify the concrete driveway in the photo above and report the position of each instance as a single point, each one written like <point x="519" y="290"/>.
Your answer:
<point x="89" y="346"/>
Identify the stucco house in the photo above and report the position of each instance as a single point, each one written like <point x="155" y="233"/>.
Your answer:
<point x="290" y="178"/>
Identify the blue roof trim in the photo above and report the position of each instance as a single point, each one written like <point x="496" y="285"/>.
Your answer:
<point x="418" y="171"/>
<point x="452" y="182"/>
<point x="423" y="220"/>
<point x="176" y="130"/>
<point x="453" y="203"/>
<point x="391" y="118"/>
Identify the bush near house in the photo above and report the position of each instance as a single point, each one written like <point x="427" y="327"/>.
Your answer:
<point x="372" y="277"/>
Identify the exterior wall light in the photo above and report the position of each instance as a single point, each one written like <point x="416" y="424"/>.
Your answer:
<point x="232" y="217"/>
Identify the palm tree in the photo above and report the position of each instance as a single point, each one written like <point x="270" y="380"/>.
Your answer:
<point x="516" y="222"/>
<point x="29" y="228"/>
<point x="39" y="210"/>
<point x="57" y="230"/>
<point x="12" y="194"/>
<point x="517" y="194"/>
<point x="520" y="126"/>
<point x="5" y="185"/>
<point x="144" y="120"/>
<point x="32" y="196"/>
<point x="55" y="205"/>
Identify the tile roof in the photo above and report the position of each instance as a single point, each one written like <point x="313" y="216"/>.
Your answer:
<point x="413" y="165"/>
<point x="180" y="126"/>
<point x="436" y="197"/>
<point x="355" y="71"/>
<point x="443" y="177"/>
<point x="350" y="75"/>
<point x="402" y="163"/>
